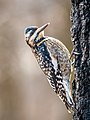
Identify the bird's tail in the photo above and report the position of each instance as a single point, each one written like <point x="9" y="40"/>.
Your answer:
<point x="69" y="100"/>
<point x="70" y="104"/>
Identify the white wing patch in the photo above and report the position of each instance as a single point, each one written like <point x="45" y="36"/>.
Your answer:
<point x="54" y="62"/>
<point x="67" y="89"/>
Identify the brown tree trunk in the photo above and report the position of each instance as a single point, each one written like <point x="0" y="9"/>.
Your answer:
<point x="80" y="31"/>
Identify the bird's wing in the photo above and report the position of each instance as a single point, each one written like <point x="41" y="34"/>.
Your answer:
<point x="62" y="67"/>
<point x="61" y="54"/>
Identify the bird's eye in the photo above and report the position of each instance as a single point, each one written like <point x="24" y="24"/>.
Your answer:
<point x="31" y="33"/>
<point x="27" y="30"/>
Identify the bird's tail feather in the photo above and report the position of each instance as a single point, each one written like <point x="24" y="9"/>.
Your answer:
<point x="70" y="105"/>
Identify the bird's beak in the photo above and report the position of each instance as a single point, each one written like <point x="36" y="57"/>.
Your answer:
<point x="42" y="28"/>
<point x="35" y="35"/>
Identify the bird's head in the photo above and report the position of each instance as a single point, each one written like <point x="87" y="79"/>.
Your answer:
<point x="33" y="34"/>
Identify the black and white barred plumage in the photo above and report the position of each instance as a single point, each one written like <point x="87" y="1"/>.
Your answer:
<point x="53" y="58"/>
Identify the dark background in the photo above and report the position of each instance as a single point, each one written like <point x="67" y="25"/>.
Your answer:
<point x="24" y="90"/>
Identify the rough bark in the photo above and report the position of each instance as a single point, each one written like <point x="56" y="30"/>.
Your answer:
<point x="80" y="31"/>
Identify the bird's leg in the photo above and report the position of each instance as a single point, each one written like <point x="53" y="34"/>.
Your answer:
<point x="72" y="56"/>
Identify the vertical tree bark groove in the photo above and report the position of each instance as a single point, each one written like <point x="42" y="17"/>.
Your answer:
<point x="80" y="32"/>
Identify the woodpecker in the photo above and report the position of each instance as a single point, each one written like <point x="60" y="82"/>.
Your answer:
<point x="54" y="59"/>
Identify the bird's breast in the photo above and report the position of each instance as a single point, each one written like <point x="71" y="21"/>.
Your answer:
<point x="45" y="60"/>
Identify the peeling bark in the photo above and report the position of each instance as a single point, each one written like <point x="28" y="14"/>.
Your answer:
<point x="80" y="31"/>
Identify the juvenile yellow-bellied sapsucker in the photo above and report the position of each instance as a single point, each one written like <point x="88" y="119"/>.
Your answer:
<point x="53" y="58"/>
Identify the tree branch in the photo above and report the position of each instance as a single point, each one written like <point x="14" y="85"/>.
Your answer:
<point x="80" y="31"/>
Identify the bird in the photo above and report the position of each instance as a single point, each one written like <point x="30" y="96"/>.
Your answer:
<point x="54" y="59"/>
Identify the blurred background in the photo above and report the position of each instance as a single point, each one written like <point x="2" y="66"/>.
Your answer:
<point x="24" y="90"/>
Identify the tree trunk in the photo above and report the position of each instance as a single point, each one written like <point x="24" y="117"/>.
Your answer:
<point x="80" y="31"/>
